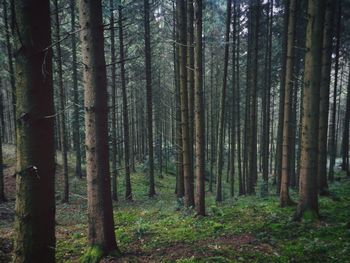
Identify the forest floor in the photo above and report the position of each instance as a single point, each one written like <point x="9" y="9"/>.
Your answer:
<point x="241" y="229"/>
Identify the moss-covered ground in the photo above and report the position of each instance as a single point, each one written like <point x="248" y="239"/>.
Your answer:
<point x="241" y="229"/>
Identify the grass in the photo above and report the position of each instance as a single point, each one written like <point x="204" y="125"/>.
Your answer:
<point x="241" y="229"/>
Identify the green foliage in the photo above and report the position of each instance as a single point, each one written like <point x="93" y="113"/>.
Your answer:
<point x="93" y="255"/>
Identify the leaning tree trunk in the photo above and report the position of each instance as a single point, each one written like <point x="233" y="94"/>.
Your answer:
<point x="199" y="111"/>
<point x="148" y="52"/>
<point x="324" y="98"/>
<point x="100" y="214"/>
<point x="308" y="200"/>
<point x="288" y="99"/>
<point x="35" y="168"/>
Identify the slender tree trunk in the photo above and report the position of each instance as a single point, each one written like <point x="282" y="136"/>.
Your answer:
<point x="279" y="143"/>
<point x="324" y="98"/>
<point x="288" y="100"/>
<point x="199" y="111"/>
<point x="151" y="191"/>
<point x="10" y="61"/>
<point x="100" y="214"/>
<point x="345" y="141"/>
<point x="189" y="196"/>
<point x="190" y="81"/>
<point x="2" y="186"/>
<point x="308" y="200"/>
<point x="35" y="169"/>
<point x="128" y="190"/>
<point x="332" y="143"/>
<point x="62" y="101"/>
<point x="114" y="106"/>
<point x="221" y="136"/>
<point x="76" y="121"/>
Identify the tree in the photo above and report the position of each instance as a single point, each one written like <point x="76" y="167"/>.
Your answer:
<point x="148" y="70"/>
<point x="76" y="121"/>
<point x="220" y="159"/>
<point x="199" y="111"/>
<point x="128" y="190"/>
<point x="62" y="102"/>
<point x="101" y="226"/>
<point x="35" y="169"/>
<point x="189" y="198"/>
<point x="288" y="98"/>
<point x="308" y="200"/>
<point x="2" y="186"/>
<point x="345" y="142"/>
<point x="324" y="98"/>
<point x="114" y="107"/>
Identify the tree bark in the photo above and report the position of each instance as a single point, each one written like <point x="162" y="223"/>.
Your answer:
<point x="35" y="167"/>
<point x="100" y="213"/>
<point x="308" y="200"/>
<point x="345" y="141"/>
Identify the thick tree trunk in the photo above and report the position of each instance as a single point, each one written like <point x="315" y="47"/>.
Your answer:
<point x="324" y="98"/>
<point x="35" y="169"/>
<point x="199" y="112"/>
<point x="288" y="100"/>
<point x="2" y="186"/>
<point x="308" y="200"/>
<point x="100" y="214"/>
<point x="151" y="191"/>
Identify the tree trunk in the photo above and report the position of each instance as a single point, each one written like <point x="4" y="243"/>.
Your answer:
<point x="345" y="142"/>
<point x="288" y="100"/>
<point x="189" y="196"/>
<point x="308" y="200"/>
<point x="113" y="107"/>
<point x="151" y="191"/>
<point x="2" y="186"/>
<point x="332" y="143"/>
<point x="100" y="213"/>
<point x="324" y="98"/>
<point x="199" y="112"/>
<point x="221" y="136"/>
<point x="128" y="190"/>
<point x="62" y="102"/>
<point x="35" y="169"/>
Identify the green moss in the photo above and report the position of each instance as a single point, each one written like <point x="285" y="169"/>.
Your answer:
<point x="93" y="255"/>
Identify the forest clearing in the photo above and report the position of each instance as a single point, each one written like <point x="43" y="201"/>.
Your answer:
<point x="174" y="131"/>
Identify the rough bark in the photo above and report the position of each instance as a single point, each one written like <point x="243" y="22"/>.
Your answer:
<point x="345" y="141"/>
<point x="35" y="166"/>
<point x="308" y="196"/>
<point x="100" y="213"/>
